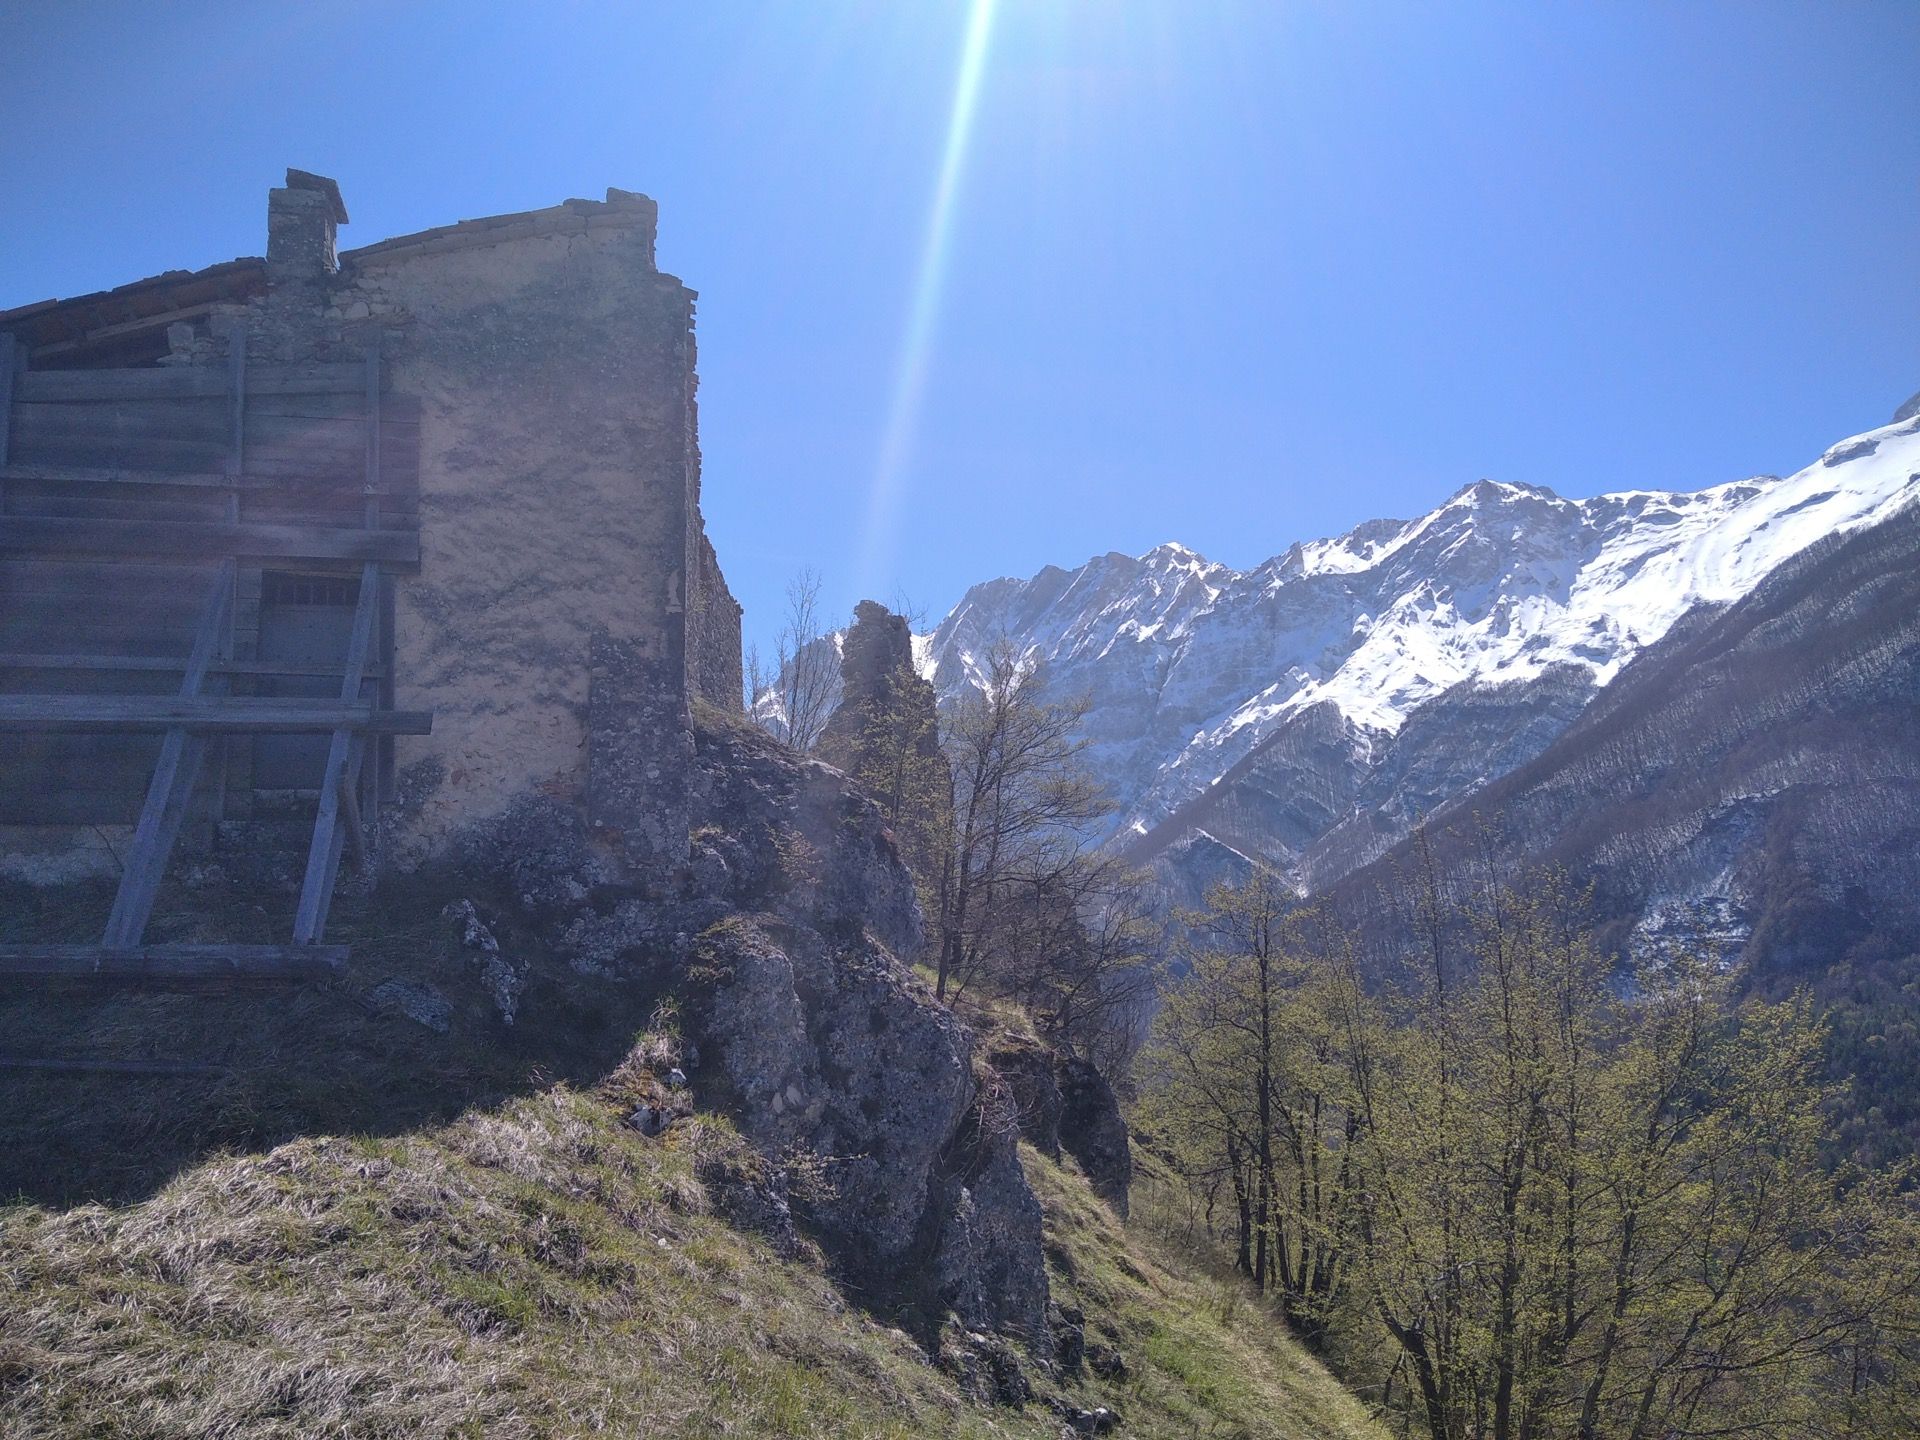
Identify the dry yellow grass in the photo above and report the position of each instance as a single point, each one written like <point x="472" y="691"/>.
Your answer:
<point x="540" y="1270"/>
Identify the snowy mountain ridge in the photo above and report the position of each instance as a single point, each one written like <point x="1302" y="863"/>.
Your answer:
<point x="1192" y="664"/>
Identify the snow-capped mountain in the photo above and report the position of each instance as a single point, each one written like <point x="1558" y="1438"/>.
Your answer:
<point x="1508" y="605"/>
<point x="1749" y="786"/>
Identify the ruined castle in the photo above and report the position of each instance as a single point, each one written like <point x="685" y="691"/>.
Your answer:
<point x="387" y="539"/>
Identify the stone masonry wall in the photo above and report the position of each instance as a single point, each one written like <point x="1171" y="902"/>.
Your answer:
<point x="567" y="603"/>
<point x="713" y="635"/>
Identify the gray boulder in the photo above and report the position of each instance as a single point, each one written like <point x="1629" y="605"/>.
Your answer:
<point x="835" y="1054"/>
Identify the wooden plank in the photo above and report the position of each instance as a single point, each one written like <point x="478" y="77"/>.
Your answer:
<point x="295" y="462"/>
<point x="134" y="453"/>
<point x="122" y="420"/>
<point x="169" y="793"/>
<point x="190" y="506"/>
<point x="163" y="456"/>
<point x="20" y="534"/>
<point x="9" y="349"/>
<point x="150" y="592"/>
<point x="81" y="386"/>
<point x="164" y="664"/>
<point x="115" y="475"/>
<point x="161" y="964"/>
<point x="346" y="751"/>
<point x="171" y="789"/>
<point x="213" y="715"/>
<point x="334" y="432"/>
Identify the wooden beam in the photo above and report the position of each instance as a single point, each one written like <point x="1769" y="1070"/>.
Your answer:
<point x="169" y="664"/>
<point x="209" y="715"/>
<point x="345" y="754"/>
<point x="172" y="963"/>
<point x="33" y="535"/>
<point x="174" y="776"/>
<point x="188" y="382"/>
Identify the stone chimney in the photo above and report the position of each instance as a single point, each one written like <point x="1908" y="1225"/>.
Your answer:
<point x="302" y="220"/>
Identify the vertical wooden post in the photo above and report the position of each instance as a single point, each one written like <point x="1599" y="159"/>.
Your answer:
<point x="171" y="789"/>
<point x="344" y="755"/>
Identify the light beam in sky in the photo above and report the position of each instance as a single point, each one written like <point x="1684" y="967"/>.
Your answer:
<point x="910" y="372"/>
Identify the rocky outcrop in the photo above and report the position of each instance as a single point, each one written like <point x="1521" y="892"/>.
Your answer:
<point x="878" y="679"/>
<point x="880" y="1129"/>
<point x="1063" y="1103"/>
<point x="1092" y="1131"/>
<point x="1025" y="1067"/>
<point x="774" y="831"/>
<point x="831" y="1057"/>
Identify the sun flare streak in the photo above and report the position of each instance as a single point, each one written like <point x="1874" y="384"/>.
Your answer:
<point x="910" y="372"/>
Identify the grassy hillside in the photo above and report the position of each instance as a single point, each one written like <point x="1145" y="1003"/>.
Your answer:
<point x="540" y="1269"/>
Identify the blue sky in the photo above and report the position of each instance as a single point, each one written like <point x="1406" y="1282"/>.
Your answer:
<point x="1228" y="273"/>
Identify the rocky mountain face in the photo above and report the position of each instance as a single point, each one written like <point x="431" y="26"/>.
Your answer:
<point x="1752" y="781"/>
<point x="1307" y="713"/>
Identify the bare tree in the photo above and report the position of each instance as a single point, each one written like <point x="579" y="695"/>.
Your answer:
<point x="1075" y="936"/>
<point x="1020" y="797"/>
<point x="795" y="697"/>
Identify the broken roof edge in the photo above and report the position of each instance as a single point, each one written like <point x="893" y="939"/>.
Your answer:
<point x="621" y="208"/>
<point x="238" y="279"/>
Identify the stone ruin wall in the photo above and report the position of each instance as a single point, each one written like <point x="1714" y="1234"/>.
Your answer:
<point x="568" y="603"/>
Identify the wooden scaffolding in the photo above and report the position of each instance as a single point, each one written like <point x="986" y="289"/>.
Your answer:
<point x="142" y="511"/>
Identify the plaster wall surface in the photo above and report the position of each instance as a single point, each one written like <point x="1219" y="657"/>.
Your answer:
<point x="556" y="503"/>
